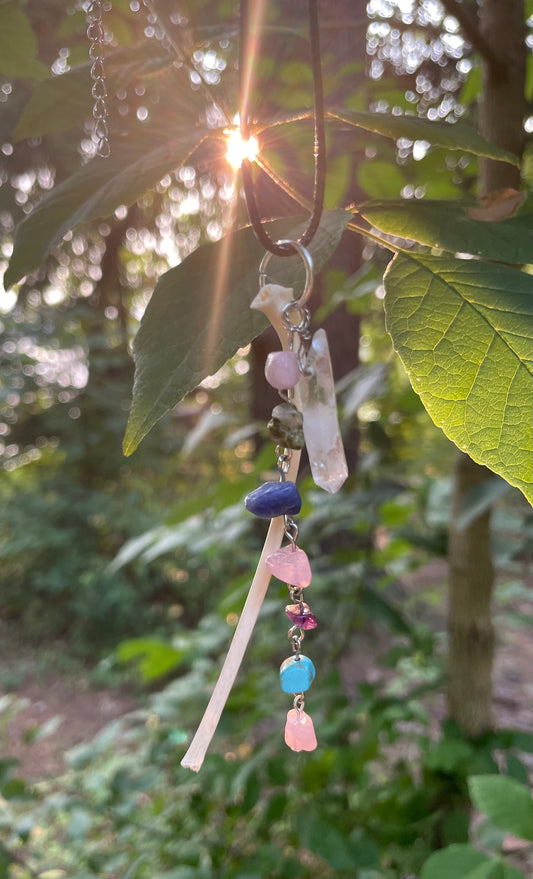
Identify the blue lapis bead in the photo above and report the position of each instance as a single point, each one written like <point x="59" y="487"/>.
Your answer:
<point x="274" y="499"/>
<point x="296" y="674"/>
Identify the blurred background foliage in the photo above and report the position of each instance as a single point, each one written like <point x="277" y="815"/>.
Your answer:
<point x="145" y="563"/>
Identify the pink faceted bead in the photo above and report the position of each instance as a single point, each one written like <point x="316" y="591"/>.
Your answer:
<point x="291" y="565"/>
<point x="300" y="615"/>
<point x="299" y="731"/>
<point x="281" y="369"/>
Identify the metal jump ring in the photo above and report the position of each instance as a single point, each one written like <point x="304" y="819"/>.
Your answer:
<point x="304" y="317"/>
<point x="308" y="263"/>
<point x="291" y="530"/>
<point x="299" y="701"/>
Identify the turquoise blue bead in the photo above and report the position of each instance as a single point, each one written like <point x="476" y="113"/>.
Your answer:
<point x="296" y="674"/>
<point x="274" y="499"/>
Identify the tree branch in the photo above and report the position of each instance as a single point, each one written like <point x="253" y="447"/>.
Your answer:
<point x="469" y="24"/>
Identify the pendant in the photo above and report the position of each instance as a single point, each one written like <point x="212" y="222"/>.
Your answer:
<point x="320" y="420"/>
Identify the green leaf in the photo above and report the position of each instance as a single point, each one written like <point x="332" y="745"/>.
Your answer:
<point x="94" y="192"/>
<point x="464" y="862"/>
<point x="155" y="658"/>
<point x="199" y="315"/>
<point x="64" y="101"/>
<point x="14" y="788"/>
<point x="495" y="868"/>
<point x="56" y="105"/>
<point x="457" y="861"/>
<point x="447" y="755"/>
<point x="324" y="840"/>
<point x="456" y="136"/>
<point x="80" y="823"/>
<point x="446" y="225"/>
<point x="507" y="802"/>
<point x="18" y="45"/>
<point x="464" y="332"/>
<point x="379" y="179"/>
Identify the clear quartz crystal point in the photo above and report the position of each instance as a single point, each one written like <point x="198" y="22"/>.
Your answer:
<point x="321" y="424"/>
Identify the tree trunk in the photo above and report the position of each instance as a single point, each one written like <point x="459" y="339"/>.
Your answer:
<point x="470" y="628"/>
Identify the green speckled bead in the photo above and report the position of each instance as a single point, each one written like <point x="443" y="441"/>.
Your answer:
<point x="285" y="426"/>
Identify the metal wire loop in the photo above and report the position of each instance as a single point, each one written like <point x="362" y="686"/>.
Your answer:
<point x="295" y="635"/>
<point x="284" y="462"/>
<point x="296" y="593"/>
<point x="303" y="323"/>
<point x="98" y="89"/>
<point x="291" y="530"/>
<point x="308" y="264"/>
<point x="299" y="701"/>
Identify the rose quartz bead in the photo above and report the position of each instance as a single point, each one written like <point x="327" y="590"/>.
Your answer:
<point x="281" y="369"/>
<point x="299" y="731"/>
<point x="291" y="565"/>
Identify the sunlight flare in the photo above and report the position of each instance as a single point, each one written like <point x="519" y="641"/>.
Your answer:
<point x="239" y="149"/>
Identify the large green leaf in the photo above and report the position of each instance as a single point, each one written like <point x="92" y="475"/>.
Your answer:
<point x="199" y="315"/>
<point x="18" y="45"/>
<point x="446" y="224"/>
<point x="95" y="192"/>
<point x="457" y="861"/>
<point x="454" y="137"/>
<point x="463" y="861"/>
<point x="464" y="332"/>
<point x="507" y="803"/>
<point x="62" y="102"/>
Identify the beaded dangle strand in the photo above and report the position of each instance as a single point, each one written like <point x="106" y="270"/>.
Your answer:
<point x="283" y="370"/>
<point x="308" y="407"/>
<point x="303" y="371"/>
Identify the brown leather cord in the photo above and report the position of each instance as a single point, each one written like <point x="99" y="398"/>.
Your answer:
<point x="245" y="62"/>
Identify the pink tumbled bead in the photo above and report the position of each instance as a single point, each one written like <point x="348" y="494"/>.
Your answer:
<point x="281" y="369"/>
<point x="291" y="565"/>
<point x="299" y="731"/>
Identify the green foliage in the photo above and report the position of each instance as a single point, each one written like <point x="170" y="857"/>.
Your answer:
<point x="454" y="137"/>
<point x="357" y="806"/>
<point x="85" y="555"/>
<point x="93" y="193"/>
<point x="506" y="802"/>
<point x="196" y="351"/>
<point x="464" y="862"/>
<point x="18" y="44"/>
<point x="57" y="540"/>
<point x="182" y="338"/>
<point x="463" y="332"/>
<point x="448" y="226"/>
<point x="60" y="103"/>
<point x="379" y="178"/>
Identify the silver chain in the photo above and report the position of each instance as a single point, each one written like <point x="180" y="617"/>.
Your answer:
<point x="96" y="35"/>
